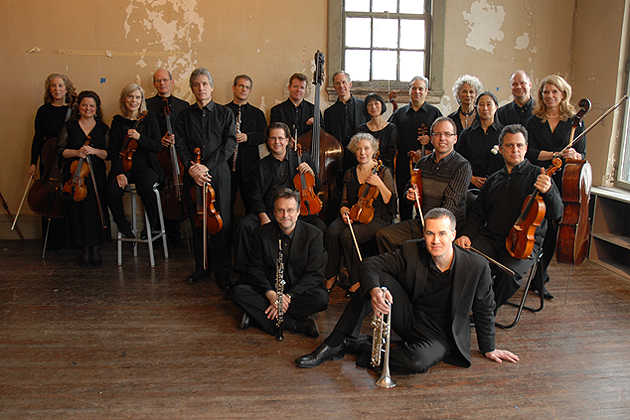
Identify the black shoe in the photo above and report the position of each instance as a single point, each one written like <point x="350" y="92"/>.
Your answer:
<point x="84" y="261"/>
<point x="127" y="233"/>
<point x="96" y="256"/>
<point x="545" y="294"/>
<point x="357" y="345"/>
<point x="306" y="326"/>
<point x="321" y="354"/>
<point x="196" y="277"/>
<point x="246" y="322"/>
<point x="225" y="285"/>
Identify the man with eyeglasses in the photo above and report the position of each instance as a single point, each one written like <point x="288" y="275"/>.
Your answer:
<point x="499" y="205"/>
<point x="413" y="122"/>
<point x="270" y="174"/>
<point x="445" y="176"/>
<point x="520" y="109"/>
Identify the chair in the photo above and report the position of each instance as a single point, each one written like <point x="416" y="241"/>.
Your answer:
<point x="131" y="188"/>
<point x="521" y="306"/>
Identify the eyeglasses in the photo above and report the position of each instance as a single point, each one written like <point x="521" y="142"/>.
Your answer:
<point x="438" y="135"/>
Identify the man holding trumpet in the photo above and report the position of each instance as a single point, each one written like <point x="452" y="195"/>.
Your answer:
<point x="432" y="287"/>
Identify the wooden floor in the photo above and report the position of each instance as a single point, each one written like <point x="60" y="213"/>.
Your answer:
<point x="137" y="343"/>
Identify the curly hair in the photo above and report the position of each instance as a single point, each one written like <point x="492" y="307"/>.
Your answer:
<point x="71" y="94"/>
<point x="566" y="109"/>
<point x="88" y="94"/>
<point x="471" y="80"/>
<point x="354" y="142"/>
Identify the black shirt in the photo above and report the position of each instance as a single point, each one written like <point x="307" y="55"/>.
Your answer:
<point x="155" y="106"/>
<point x="513" y="114"/>
<point x="387" y="137"/>
<point x="253" y="123"/>
<point x="476" y="146"/>
<point x="293" y="116"/>
<point x="48" y="123"/>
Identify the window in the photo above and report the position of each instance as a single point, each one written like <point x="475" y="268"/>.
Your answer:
<point x="382" y="44"/>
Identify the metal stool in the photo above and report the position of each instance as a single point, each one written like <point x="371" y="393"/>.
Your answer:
<point x="521" y="306"/>
<point x="131" y="188"/>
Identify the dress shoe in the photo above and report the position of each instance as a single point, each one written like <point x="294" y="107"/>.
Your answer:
<point x="196" y="277"/>
<point x="352" y="290"/>
<point x="96" y="256"/>
<point x="321" y="354"/>
<point x="306" y="326"/>
<point x="84" y="262"/>
<point x="545" y="293"/>
<point x="330" y="283"/>
<point x="357" y="345"/>
<point x="246" y="321"/>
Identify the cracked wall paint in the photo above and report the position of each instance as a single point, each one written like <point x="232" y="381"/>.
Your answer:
<point x="484" y="21"/>
<point x="178" y="34"/>
<point x="522" y="42"/>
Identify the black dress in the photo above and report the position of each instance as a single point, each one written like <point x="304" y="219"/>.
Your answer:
<point x="84" y="220"/>
<point x="387" y="137"/>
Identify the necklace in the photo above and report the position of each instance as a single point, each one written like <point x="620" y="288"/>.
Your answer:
<point x="466" y="116"/>
<point x="552" y="116"/>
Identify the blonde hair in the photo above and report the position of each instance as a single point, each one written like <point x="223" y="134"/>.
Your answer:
<point x="566" y="110"/>
<point x="127" y="90"/>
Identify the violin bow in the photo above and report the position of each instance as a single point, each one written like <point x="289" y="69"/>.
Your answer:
<point x="6" y="207"/>
<point x="498" y="264"/>
<point x="417" y="193"/>
<point x="204" y="194"/>
<point x="356" y="244"/>
<point x="98" y="198"/>
<point x="597" y="121"/>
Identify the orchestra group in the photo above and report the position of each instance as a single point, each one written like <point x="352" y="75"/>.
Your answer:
<point x="412" y="197"/>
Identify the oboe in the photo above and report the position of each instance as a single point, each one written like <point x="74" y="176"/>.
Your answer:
<point x="238" y="130"/>
<point x="279" y="289"/>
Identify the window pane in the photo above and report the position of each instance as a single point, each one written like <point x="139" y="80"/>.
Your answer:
<point x="357" y="5"/>
<point x="358" y="32"/>
<point x="412" y="6"/>
<point x="358" y="64"/>
<point x="412" y="34"/>
<point x="381" y="6"/>
<point x="385" y="33"/>
<point x="384" y="65"/>
<point x="411" y="64"/>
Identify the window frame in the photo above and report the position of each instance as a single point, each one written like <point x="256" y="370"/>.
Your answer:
<point x="434" y="55"/>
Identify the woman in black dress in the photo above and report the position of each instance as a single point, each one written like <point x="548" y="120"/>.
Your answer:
<point x="84" y="219"/>
<point x="145" y="170"/>
<point x="338" y="238"/>
<point x="385" y="132"/>
<point x="59" y="96"/>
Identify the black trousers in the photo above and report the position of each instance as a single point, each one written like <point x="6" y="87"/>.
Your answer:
<point x="390" y="238"/>
<point x="423" y="343"/>
<point x="251" y="301"/>
<point x="144" y="178"/>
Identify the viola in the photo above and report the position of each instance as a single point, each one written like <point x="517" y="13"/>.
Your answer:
<point x="173" y="169"/>
<point x="392" y="99"/>
<point x="206" y="215"/>
<point x="521" y="239"/>
<point x="305" y="184"/>
<point x="416" y="184"/>
<point x="363" y="210"/>
<point x="44" y="196"/>
<point x="325" y="149"/>
<point x="130" y="146"/>
<point x="75" y="189"/>
<point x="415" y="155"/>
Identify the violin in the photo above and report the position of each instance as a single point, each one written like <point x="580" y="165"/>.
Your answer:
<point x="305" y="184"/>
<point x="130" y="145"/>
<point x="206" y="215"/>
<point x="392" y="100"/>
<point x="75" y="189"/>
<point x="414" y="156"/>
<point x="416" y="184"/>
<point x="363" y="210"/>
<point x="521" y="239"/>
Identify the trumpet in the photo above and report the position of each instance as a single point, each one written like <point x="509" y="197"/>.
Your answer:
<point x="381" y="337"/>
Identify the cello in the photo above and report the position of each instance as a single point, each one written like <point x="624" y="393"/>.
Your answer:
<point x="44" y="197"/>
<point x="326" y="150"/>
<point x="574" y="229"/>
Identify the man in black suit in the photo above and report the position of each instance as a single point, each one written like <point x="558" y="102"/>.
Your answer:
<point x="163" y="83"/>
<point x="295" y="112"/>
<point x="343" y="118"/>
<point x="432" y="287"/>
<point x="304" y="261"/>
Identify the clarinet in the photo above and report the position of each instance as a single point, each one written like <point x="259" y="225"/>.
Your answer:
<point x="279" y="289"/>
<point x="238" y="130"/>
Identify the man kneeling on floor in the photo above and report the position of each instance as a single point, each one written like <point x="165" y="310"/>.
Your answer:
<point x="304" y="259"/>
<point x="432" y="286"/>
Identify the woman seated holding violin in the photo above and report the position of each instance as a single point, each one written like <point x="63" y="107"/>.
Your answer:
<point x="385" y="132"/>
<point x="134" y="143"/>
<point x="83" y="142"/>
<point x="368" y="203"/>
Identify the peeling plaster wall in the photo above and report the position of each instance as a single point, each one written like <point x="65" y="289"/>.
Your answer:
<point x="109" y="44"/>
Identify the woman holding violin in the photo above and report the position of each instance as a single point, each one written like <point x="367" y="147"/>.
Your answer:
<point x="551" y="130"/>
<point x="86" y="135"/>
<point x="368" y="190"/>
<point x="59" y="96"/>
<point x="134" y="143"/>
<point x="385" y="132"/>
<point x="465" y="90"/>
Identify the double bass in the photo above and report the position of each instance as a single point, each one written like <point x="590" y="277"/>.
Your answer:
<point x="44" y="196"/>
<point x="326" y="150"/>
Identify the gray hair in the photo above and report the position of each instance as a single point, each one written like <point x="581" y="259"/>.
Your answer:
<point x="471" y="80"/>
<point x="414" y="78"/>
<point x="354" y="142"/>
<point x="513" y="129"/>
<point x="344" y="73"/>
<point x="441" y="213"/>
<point x="201" y="71"/>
